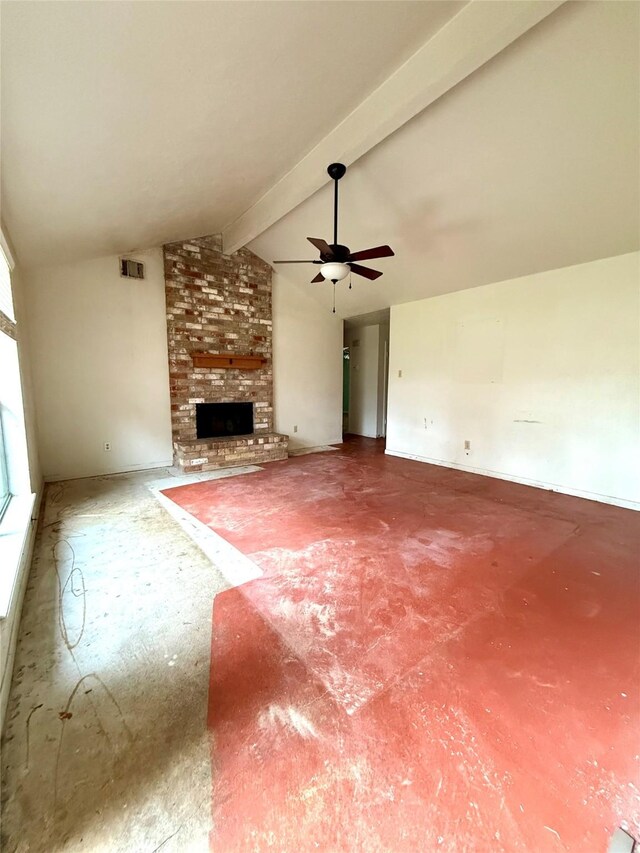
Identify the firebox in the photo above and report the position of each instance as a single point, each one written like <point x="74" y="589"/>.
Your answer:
<point x="216" y="420"/>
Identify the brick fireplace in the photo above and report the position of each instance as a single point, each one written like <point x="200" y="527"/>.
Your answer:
<point x="219" y="330"/>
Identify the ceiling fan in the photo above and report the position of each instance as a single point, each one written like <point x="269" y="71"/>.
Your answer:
<point x="337" y="261"/>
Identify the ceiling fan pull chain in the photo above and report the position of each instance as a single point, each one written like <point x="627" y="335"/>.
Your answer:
<point x="334" y="297"/>
<point x="349" y="278"/>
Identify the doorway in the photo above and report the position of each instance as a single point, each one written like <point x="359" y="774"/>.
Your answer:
<point x="365" y="374"/>
<point x="346" y="380"/>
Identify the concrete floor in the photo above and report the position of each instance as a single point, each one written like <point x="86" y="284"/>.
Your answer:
<point x="431" y="660"/>
<point x="415" y="658"/>
<point x="105" y="746"/>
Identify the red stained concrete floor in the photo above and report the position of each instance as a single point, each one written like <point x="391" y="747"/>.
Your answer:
<point x="433" y="660"/>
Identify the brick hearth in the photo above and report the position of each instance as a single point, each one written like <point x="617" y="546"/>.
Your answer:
<point x="219" y="304"/>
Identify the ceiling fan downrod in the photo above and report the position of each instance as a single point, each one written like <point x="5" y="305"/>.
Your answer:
<point x="335" y="172"/>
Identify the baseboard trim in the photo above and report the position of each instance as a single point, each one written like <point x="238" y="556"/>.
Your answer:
<point x="538" y="484"/>
<point x="129" y="469"/>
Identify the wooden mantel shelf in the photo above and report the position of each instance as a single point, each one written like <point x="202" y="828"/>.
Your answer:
<point x="239" y="362"/>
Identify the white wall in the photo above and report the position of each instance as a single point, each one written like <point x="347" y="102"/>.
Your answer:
<point x="99" y="358"/>
<point x="307" y="368"/>
<point x="541" y="374"/>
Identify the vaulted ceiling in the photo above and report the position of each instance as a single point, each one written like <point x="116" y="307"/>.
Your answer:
<point x="129" y="124"/>
<point x="530" y="164"/>
<point x="126" y="125"/>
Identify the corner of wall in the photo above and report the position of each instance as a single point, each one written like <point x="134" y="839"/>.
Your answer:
<point x="307" y="367"/>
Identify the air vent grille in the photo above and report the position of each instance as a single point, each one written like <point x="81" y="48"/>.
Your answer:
<point x="131" y="269"/>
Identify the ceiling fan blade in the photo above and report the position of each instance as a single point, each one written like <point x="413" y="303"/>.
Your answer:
<point x="319" y="277"/>
<point x="321" y="245"/>
<point x="365" y="271"/>
<point x="296" y="262"/>
<point x="369" y="254"/>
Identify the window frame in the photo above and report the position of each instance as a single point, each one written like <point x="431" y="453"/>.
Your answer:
<point x="5" y="498"/>
<point x="8" y="326"/>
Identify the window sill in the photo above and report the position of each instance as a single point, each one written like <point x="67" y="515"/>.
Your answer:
<point x="14" y="536"/>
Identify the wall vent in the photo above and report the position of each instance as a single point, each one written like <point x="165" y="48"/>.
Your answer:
<point x="131" y="269"/>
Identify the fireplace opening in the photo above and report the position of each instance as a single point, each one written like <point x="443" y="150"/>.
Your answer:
<point x="216" y="420"/>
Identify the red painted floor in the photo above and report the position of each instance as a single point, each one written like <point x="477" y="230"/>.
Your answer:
<point x="433" y="660"/>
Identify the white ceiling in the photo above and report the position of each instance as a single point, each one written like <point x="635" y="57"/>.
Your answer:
<point x="373" y="318"/>
<point x="531" y="163"/>
<point x="129" y="124"/>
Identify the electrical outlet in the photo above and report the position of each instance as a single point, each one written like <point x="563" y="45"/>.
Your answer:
<point x="399" y="374"/>
<point x="106" y="446"/>
<point x="295" y="428"/>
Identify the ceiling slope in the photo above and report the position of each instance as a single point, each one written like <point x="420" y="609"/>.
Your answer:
<point x="478" y="32"/>
<point x="130" y="124"/>
<point x="529" y="164"/>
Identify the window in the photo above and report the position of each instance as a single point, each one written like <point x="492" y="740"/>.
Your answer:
<point x="8" y="318"/>
<point x="14" y="474"/>
<point x="6" y="297"/>
<point x="4" y="476"/>
<point x="16" y="496"/>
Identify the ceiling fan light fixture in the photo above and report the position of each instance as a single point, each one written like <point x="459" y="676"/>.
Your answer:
<point x="337" y="261"/>
<point x="333" y="271"/>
